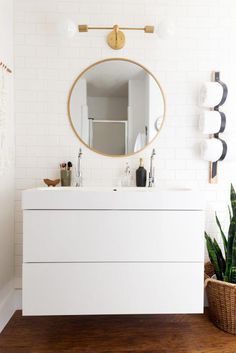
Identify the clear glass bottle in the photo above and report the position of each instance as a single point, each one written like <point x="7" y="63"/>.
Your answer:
<point x="126" y="178"/>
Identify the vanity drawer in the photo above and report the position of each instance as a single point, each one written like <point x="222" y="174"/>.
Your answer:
<point x="112" y="288"/>
<point x="116" y="235"/>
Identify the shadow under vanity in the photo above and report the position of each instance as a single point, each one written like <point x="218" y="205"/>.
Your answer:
<point x="122" y="250"/>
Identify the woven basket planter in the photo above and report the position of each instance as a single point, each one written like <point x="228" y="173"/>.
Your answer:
<point x="222" y="301"/>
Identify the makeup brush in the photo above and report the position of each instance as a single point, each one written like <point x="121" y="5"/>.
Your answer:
<point x="63" y="165"/>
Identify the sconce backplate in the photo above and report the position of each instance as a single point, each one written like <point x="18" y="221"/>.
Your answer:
<point x="116" y="39"/>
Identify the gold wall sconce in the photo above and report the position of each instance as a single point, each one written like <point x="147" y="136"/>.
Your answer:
<point x="116" y="38"/>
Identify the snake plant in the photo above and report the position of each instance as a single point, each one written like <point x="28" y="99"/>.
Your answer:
<point x="225" y="265"/>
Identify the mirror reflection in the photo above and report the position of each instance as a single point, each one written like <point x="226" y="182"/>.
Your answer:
<point x="116" y="107"/>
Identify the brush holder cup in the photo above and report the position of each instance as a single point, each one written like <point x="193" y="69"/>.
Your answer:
<point x="65" y="177"/>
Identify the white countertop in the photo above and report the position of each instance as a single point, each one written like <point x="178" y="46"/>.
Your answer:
<point x="111" y="198"/>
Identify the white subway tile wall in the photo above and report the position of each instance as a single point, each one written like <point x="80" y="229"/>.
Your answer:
<point x="46" y="64"/>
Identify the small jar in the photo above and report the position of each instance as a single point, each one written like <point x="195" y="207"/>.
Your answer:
<point x="65" y="177"/>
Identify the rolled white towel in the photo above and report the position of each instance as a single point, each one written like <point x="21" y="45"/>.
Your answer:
<point x="210" y="122"/>
<point x="211" y="149"/>
<point x="211" y="94"/>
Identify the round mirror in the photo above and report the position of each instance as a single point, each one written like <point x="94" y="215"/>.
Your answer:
<point x="116" y="107"/>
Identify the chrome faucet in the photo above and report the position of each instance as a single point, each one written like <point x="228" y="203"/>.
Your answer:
<point x="151" y="178"/>
<point x="78" y="170"/>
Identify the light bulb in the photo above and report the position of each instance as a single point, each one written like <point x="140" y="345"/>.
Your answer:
<point x="166" y="29"/>
<point x="67" y="28"/>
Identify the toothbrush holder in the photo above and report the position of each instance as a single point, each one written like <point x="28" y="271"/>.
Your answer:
<point x="65" y="177"/>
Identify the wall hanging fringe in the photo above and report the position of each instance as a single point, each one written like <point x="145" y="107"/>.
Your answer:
<point x="5" y="67"/>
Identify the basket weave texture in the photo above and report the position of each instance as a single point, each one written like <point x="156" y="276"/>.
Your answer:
<point x="222" y="301"/>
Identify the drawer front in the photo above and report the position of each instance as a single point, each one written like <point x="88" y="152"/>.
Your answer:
<point x="103" y="236"/>
<point x="112" y="288"/>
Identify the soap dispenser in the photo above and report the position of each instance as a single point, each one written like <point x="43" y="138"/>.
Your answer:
<point x="141" y="175"/>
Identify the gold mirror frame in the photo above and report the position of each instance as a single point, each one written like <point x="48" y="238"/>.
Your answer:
<point x="69" y="99"/>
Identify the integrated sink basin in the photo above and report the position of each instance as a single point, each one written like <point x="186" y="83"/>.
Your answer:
<point x="111" y="188"/>
<point x="111" y="198"/>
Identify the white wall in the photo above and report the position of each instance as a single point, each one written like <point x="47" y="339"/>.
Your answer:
<point x="7" y="184"/>
<point x="47" y="64"/>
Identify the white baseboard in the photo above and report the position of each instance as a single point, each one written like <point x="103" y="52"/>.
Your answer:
<point x="18" y="299"/>
<point x="7" y="308"/>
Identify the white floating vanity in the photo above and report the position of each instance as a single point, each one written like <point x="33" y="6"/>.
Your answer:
<point x="112" y="251"/>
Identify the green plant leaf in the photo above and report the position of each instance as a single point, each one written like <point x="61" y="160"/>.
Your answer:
<point x="230" y="213"/>
<point x="231" y="235"/>
<point x="222" y="235"/>
<point x="213" y="256"/>
<point x="233" y="200"/>
<point x="225" y="267"/>
<point x="221" y="260"/>
<point x="233" y="267"/>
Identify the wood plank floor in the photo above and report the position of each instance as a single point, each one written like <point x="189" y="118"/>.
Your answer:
<point x="118" y="334"/>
